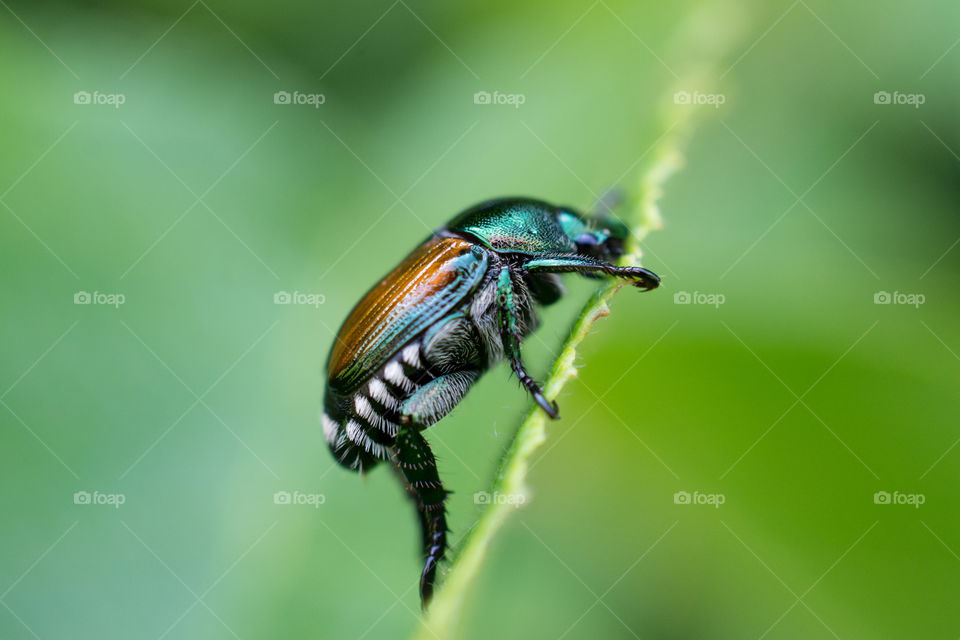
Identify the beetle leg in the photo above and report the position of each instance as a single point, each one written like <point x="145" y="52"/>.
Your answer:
<point x="511" y="336"/>
<point x="643" y="278"/>
<point x="417" y="467"/>
<point x="435" y="399"/>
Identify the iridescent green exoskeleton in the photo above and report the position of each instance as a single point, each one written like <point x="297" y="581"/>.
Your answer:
<point x="461" y="302"/>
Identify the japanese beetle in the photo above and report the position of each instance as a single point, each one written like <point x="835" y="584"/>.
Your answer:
<point x="461" y="302"/>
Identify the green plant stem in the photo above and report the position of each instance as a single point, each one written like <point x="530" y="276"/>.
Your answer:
<point x="643" y="217"/>
<point x="511" y="476"/>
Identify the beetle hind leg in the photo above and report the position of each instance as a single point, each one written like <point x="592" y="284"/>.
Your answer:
<point x="417" y="467"/>
<point x="437" y="398"/>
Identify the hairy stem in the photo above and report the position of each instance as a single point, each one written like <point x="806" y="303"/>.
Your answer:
<point x="642" y="216"/>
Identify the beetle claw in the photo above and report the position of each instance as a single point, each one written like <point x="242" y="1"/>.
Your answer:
<point x="645" y="279"/>
<point x="426" y="582"/>
<point x="549" y="406"/>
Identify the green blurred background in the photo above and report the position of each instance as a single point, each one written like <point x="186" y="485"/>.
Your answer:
<point x="199" y="198"/>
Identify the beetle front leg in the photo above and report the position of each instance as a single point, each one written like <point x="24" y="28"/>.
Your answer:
<point x="643" y="278"/>
<point x="417" y="467"/>
<point x="511" y="336"/>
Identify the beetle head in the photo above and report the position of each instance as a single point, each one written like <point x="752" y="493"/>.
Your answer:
<point x="599" y="237"/>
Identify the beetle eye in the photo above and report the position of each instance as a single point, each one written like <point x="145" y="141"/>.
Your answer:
<point x="587" y="239"/>
<point x="587" y="243"/>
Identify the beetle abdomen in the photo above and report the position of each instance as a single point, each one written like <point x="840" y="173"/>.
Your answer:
<point x="360" y="428"/>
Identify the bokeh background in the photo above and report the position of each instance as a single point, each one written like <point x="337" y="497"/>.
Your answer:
<point x="199" y="198"/>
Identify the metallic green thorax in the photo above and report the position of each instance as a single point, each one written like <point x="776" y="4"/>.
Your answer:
<point x="534" y="227"/>
<point x="515" y="226"/>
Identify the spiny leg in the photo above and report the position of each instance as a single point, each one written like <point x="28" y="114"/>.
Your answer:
<point x="417" y="467"/>
<point x="643" y="278"/>
<point x="510" y="333"/>
<point x="450" y="351"/>
<point x="421" y="514"/>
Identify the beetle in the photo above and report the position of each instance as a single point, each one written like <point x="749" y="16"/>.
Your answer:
<point x="461" y="302"/>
